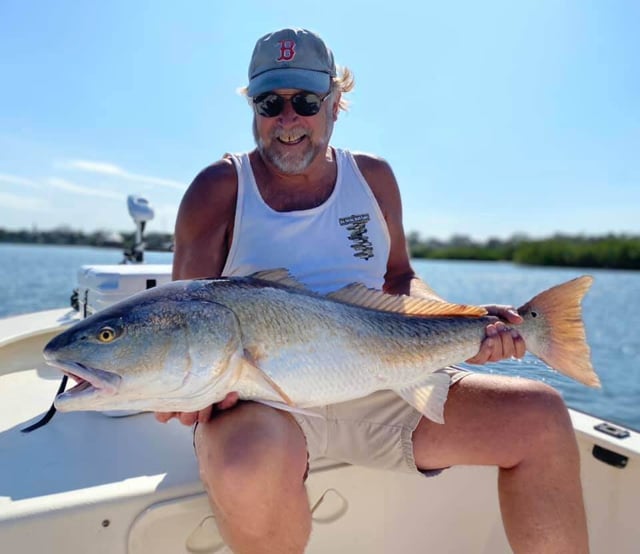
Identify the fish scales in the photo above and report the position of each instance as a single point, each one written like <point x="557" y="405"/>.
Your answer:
<point x="327" y="352"/>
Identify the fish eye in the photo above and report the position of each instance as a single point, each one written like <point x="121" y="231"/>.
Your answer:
<point x="106" y="334"/>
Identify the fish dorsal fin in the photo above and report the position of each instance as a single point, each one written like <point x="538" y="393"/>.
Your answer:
<point x="360" y="295"/>
<point x="280" y="276"/>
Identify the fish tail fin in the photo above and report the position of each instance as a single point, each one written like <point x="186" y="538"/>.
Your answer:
<point x="559" y="337"/>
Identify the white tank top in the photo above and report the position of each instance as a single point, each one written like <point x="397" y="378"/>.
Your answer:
<point x="344" y="240"/>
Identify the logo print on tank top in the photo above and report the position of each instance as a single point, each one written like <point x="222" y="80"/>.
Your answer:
<point x="356" y="225"/>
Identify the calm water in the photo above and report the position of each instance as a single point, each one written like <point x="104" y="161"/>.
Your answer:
<point x="42" y="277"/>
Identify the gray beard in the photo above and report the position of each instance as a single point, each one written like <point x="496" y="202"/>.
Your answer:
<point x="289" y="163"/>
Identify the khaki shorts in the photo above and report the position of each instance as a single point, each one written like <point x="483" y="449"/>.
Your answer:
<point x="375" y="431"/>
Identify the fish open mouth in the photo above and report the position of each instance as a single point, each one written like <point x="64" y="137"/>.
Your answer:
<point x="89" y="380"/>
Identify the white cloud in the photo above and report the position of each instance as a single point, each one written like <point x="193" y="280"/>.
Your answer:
<point x="91" y="197"/>
<point x="22" y="203"/>
<point x="94" y="167"/>
<point x="85" y="191"/>
<point x="15" y="180"/>
<point x="112" y="170"/>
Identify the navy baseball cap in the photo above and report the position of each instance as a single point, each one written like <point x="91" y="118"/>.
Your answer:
<point x="291" y="58"/>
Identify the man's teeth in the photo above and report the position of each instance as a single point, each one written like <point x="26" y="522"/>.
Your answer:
<point x="290" y="139"/>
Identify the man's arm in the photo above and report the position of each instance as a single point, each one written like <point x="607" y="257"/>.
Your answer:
<point x="400" y="278"/>
<point x="205" y="223"/>
<point x="203" y="232"/>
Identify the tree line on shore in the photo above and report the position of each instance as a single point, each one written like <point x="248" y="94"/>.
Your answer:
<point x="67" y="236"/>
<point x="613" y="251"/>
<point x="609" y="251"/>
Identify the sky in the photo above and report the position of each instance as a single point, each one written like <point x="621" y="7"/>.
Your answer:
<point x="497" y="117"/>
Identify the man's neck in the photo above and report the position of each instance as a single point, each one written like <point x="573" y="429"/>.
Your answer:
<point x="292" y="192"/>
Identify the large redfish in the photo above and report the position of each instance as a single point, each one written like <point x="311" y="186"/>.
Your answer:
<point x="186" y="344"/>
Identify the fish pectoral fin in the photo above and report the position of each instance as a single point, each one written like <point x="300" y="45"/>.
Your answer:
<point x="289" y="408"/>
<point x="269" y="388"/>
<point x="428" y="396"/>
<point x="261" y="380"/>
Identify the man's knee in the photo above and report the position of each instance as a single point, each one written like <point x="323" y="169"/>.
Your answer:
<point x="545" y="421"/>
<point x="252" y="462"/>
<point x="546" y="405"/>
<point x="241" y="447"/>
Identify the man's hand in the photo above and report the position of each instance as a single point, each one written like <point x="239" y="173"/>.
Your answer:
<point x="202" y="416"/>
<point x="500" y="342"/>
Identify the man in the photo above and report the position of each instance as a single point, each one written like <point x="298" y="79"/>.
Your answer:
<point x="332" y="217"/>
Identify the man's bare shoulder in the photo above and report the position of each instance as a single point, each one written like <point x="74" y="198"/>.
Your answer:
<point x="219" y="181"/>
<point x="208" y="205"/>
<point x="379" y="176"/>
<point x="370" y="164"/>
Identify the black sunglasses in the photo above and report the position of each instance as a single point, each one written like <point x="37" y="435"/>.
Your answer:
<point x="304" y="103"/>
